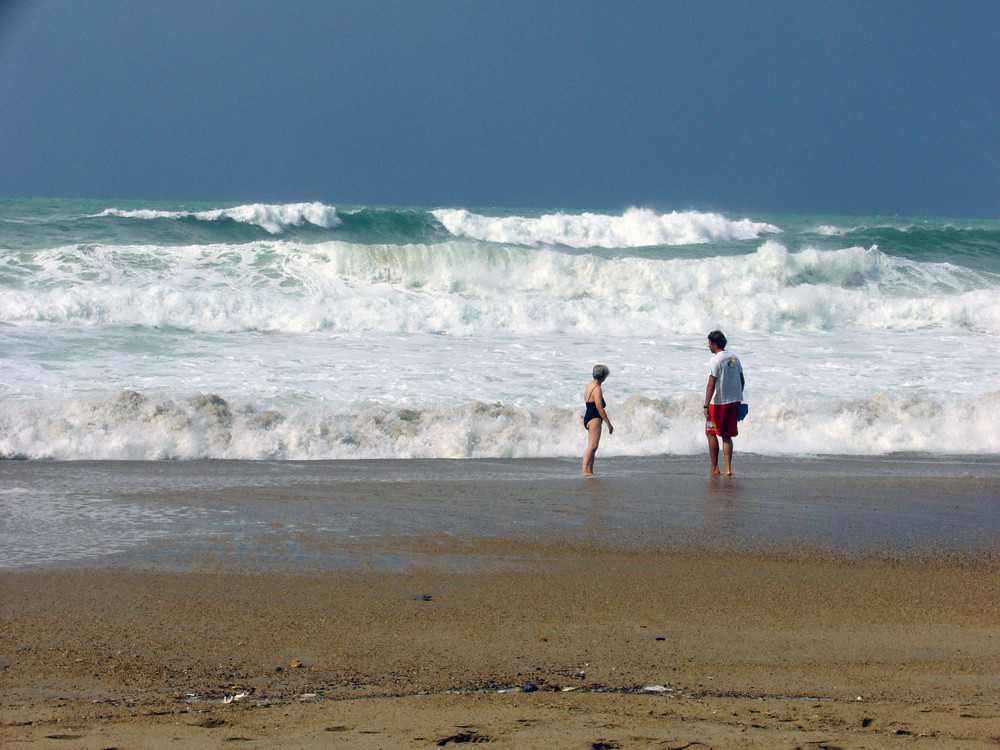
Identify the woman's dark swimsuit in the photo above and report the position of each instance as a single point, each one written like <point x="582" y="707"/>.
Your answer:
<point x="592" y="412"/>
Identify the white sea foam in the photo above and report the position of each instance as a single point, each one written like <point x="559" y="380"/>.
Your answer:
<point x="274" y="218"/>
<point x="636" y="227"/>
<point x="135" y="426"/>
<point x="466" y="288"/>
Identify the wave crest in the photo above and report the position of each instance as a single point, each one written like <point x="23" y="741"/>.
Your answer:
<point x="636" y="227"/>
<point x="272" y="218"/>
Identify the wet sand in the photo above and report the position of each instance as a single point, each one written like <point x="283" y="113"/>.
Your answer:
<point x="335" y="515"/>
<point x="583" y="638"/>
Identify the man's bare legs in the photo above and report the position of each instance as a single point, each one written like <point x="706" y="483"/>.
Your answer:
<point x="713" y="454"/>
<point x="594" y="429"/>
<point x="727" y="450"/>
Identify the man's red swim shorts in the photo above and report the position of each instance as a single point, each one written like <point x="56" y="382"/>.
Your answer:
<point x="722" y="419"/>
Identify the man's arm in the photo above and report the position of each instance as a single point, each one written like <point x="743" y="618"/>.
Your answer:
<point x="709" y="390"/>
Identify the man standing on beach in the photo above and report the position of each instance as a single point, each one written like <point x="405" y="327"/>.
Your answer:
<point x="722" y="401"/>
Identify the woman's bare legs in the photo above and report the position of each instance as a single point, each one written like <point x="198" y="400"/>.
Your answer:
<point x="594" y="433"/>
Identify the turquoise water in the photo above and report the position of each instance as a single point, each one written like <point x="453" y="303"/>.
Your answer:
<point x="37" y="224"/>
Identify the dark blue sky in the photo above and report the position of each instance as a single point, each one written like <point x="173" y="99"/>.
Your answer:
<point x="845" y="108"/>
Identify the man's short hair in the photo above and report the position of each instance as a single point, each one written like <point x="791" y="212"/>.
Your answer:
<point x="718" y="338"/>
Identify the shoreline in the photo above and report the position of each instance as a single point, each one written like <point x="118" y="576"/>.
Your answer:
<point x="344" y="514"/>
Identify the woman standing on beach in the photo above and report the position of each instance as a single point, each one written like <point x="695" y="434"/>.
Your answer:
<point x="594" y="417"/>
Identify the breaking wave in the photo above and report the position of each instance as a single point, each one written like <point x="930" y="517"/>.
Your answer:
<point x="275" y="219"/>
<point x="467" y="288"/>
<point x="132" y="425"/>
<point x="636" y="227"/>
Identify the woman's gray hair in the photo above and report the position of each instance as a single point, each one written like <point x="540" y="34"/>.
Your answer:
<point x="601" y="372"/>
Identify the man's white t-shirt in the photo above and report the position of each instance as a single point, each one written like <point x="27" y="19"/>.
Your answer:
<point x="727" y="369"/>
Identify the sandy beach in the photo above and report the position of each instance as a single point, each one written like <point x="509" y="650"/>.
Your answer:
<point x="583" y="638"/>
